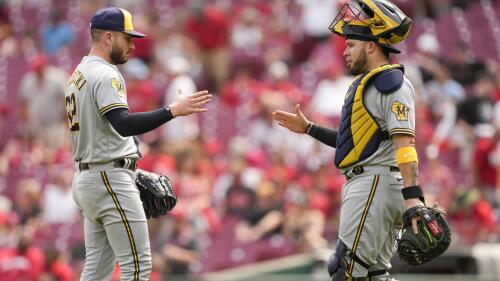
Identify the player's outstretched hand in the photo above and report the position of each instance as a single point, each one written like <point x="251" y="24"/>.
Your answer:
<point x="295" y="122"/>
<point x="189" y="104"/>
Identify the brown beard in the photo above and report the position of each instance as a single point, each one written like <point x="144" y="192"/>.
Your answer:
<point x="359" y="66"/>
<point x="117" y="55"/>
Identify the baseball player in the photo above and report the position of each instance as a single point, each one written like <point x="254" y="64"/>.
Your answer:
<point x="375" y="145"/>
<point x="106" y="151"/>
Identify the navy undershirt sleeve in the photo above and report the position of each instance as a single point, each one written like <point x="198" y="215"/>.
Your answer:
<point x="131" y="124"/>
<point x="324" y="135"/>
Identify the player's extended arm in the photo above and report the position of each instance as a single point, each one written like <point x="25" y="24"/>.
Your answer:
<point x="131" y="124"/>
<point x="406" y="157"/>
<point x="298" y="123"/>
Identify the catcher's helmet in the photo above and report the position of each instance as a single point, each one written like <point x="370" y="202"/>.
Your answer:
<point x="372" y="20"/>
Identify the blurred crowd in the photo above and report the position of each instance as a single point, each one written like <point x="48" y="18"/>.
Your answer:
<point x="248" y="189"/>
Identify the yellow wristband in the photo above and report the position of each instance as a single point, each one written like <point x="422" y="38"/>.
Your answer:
<point x="406" y="154"/>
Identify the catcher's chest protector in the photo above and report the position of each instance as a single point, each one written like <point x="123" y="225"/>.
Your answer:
<point x="359" y="134"/>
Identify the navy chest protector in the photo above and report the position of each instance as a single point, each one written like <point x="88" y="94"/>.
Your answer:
<point x="359" y="134"/>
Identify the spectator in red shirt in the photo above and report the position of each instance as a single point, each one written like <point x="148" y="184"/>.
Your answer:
<point x="473" y="216"/>
<point x="210" y="28"/>
<point x="156" y="161"/>
<point x="242" y="88"/>
<point x="193" y="188"/>
<point x="240" y="99"/>
<point x="56" y="267"/>
<point x="486" y="168"/>
<point x="483" y="169"/>
<point x="141" y="93"/>
<point x="279" y="82"/>
<point x="24" y="262"/>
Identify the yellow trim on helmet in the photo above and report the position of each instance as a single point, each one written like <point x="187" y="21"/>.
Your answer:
<point x="380" y="23"/>
<point x="127" y="20"/>
<point x="340" y="24"/>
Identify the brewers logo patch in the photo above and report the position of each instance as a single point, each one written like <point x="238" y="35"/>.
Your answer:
<point x="117" y="86"/>
<point x="400" y="110"/>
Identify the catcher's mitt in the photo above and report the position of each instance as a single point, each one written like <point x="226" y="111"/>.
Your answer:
<point x="157" y="193"/>
<point x="433" y="236"/>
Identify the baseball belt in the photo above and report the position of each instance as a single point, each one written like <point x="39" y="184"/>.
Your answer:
<point x="358" y="170"/>
<point x="125" y="163"/>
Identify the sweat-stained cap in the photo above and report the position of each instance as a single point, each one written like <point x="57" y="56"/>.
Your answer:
<point x="115" y="19"/>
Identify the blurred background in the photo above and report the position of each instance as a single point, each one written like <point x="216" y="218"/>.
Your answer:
<point x="256" y="202"/>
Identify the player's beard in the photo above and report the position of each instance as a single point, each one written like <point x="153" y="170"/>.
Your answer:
<point x="359" y="66"/>
<point x="117" y="55"/>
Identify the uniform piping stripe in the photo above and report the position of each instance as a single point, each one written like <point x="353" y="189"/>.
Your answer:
<point x="401" y="131"/>
<point x="362" y="223"/>
<point x="111" y="106"/>
<point x="125" y="222"/>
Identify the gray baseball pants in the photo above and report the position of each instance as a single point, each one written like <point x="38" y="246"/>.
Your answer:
<point x="115" y="225"/>
<point x="370" y="219"/>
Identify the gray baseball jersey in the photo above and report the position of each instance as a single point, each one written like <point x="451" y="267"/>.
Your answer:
<point x="95" y="88"/>
<point x="394" y="113"/>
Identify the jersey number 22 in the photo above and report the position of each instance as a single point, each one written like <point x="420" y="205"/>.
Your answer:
<point x="71" y="111"/>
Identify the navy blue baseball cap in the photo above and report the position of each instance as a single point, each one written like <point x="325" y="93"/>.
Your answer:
<point x="116" y="19"/>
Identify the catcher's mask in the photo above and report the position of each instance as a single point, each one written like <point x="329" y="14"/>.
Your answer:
<point x="372" y="20"/>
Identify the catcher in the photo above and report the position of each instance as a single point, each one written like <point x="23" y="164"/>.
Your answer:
<point x="375" y="149"/>
<point x="106" y="153"/>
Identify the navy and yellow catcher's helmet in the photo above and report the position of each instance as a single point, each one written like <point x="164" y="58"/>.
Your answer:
<point x="372" y="20"/>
